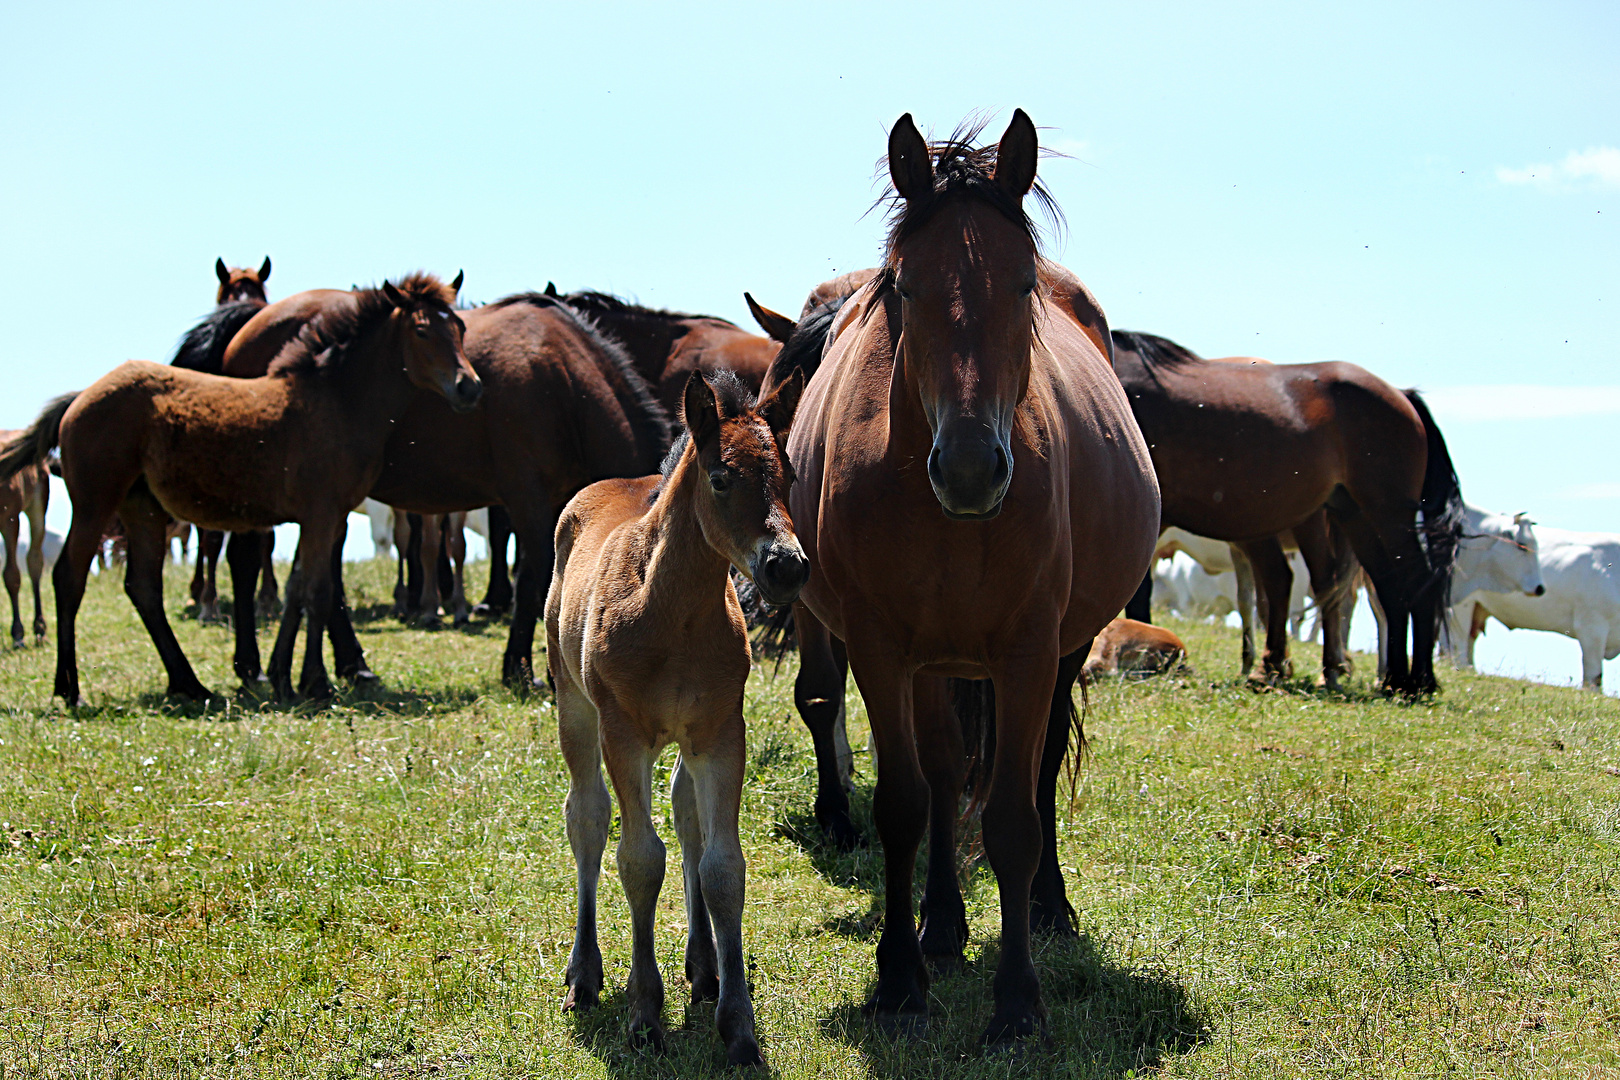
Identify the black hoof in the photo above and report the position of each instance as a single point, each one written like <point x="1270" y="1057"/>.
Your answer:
<point x="900" y="1025"/>
<point x="317" y="689"/>
<point x="1005" y="1033"/>
<point x="840" y="831"/>
<point x="193" y="692"/>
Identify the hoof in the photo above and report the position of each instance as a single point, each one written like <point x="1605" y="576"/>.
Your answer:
<point x="744" y="1054"/>
<point x="1006" y="1033"/>
<point x="840" y="831"/>
<point x="193" y="692"/>
<point x="647" y="1034"/>
<point x="363" y="676"/>
<point x="316" y="689"/>
<point x="581" y="998"/>
<point x="17" y="641"/>
<point x="489" y="611"/>
<point x="942" y="964"/>
<point x="900" y="1025"/>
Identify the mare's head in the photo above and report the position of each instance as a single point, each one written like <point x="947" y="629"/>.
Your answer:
<point x="963" y="259"/>
<point x="241" y="282"/>
<point x="740" y="448"/>
<point x="425" y="316"/>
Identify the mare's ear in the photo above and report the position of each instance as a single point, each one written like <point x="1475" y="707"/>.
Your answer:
<point x="699" y="411"/>
<point x="220" y="272"/>
<point x="1016" y="155"/>
<point x="779" y="408"/>
<point x="455" y="286"/>
<point x="551" y="289"/>
<point x="909" y="164"/>
<point x="777" y="327"/>
<point x="264" y="270"/>
<point x="393" y="294"/>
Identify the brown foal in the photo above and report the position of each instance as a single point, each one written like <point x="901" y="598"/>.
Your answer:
<point x="25" y="493"/>
<point x="647" y="645"/>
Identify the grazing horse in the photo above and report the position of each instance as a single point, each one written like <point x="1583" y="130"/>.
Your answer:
<point x="647" y="646"/>
<point x="975" y="501"/>
<point x="27" y="492"/>
<point x="1247" y="451"/>
<point x="240" y="282"/>
<point x="302" y="443"/>
<point x="565" y="407"/>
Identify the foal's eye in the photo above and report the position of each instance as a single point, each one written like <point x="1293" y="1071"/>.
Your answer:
<point x="719" y="481"/>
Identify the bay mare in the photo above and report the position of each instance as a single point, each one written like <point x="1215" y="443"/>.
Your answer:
<point x="565" y="406"/>
<point x="302" y="443"/>
<point x="975" y="501"/>
<point x="27" y="492"/>
<point x="647" y="645"/>
<point x="1246" y="451"/>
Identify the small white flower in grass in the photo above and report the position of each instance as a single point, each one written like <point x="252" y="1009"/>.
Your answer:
<point x="138" y="788"/>
<point x="148" y="761"/>
<point x="1143" y="793"/>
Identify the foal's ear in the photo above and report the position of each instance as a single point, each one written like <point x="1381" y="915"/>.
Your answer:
<point x="264" y="270"/>
<point x="393" y="294"/>
<point x="699" y="411"/>
<point x="221" y="272"/>
<point x="779" y="408"/>
<point x="455" y="286"/>
<point x="909" y="164"/>
<point x="777" y="327"/>
<point x="1016" y="155"/>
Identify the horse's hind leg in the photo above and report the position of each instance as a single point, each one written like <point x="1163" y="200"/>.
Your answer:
<point x="456" y="546"/>
<point x="1331" y="565"/>
<point x="818" y="692"/>
<point x="941" y="754"/>
<point x="587" y="813"/>
<point x="718" y="778"/>
<point x="498" y="597"/>
<point x="315" y="552"/>
<point x="641" y="871"/>
<point x="348" y="658"/>
<point x="208" y="550"/>
<point x="242" y="554"/>
<point x="702" y="973"/>
<point x="1274" y="579"/>
<point x="269" y="600"/>
<point x="403" y="536"/>
<point x="292" y="616"/>
<point x="36" y="554"/>
<point x="8" y="531"/>
<point x="535" y="522"/>
<point x="1050" y="912"/>
<point x="146" y="529"/>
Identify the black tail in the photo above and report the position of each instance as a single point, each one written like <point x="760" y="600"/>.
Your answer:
<point x="1442" y="506"/>
<point x="35" y="444"/>
<point x="772" y="627"/>
<point x="803" y="350"/>
<point x="974" y="702"/>
<point x="203" y="347"/>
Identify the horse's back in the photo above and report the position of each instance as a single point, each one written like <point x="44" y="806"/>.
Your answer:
<point x="264" y="336"/>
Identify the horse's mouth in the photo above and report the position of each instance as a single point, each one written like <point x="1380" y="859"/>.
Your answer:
<point x="968" y="515"/>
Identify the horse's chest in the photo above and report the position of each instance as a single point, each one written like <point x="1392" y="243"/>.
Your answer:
<point x="670" y="677"/>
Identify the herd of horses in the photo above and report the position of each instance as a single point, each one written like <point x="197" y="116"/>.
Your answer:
<point x="949" y="469"/>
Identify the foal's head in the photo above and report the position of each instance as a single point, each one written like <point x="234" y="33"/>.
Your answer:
<point x="963" y="259"/>
<point x="241" y="282"/>
<point x="424" y="311"/>
<point x="740" y="448"/>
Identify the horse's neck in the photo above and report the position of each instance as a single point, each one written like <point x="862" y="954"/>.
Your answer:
<point x="683" y="573"/>
<point x="649" y="339"/>
<point x="371" y="381"/>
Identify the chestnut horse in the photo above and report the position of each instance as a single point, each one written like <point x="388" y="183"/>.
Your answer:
<point x="28" y="492"/>
<point x="1247" y="451"/>
<point x="302" y="443"/>
<point x="241" y="282"/>
<point x="565" y="407"/>
<point x="647" y="646"/>
<point x="975" y="500"/>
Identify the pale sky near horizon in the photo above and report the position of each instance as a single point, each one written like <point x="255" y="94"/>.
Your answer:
<point x="1428" y="191"/>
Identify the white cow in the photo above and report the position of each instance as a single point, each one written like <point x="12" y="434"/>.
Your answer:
<point x="1233" y="581"/>
<point x="1581" y="572"/>
<point x="1499" y="558"/>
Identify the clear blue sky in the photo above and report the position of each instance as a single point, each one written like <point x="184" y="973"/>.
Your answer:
<point x="1429" y="191"/>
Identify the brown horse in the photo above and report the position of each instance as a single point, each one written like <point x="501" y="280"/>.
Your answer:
<point x="975" y="501"/>
<point x="240" y="282"/>
<point x="565" y="407"/>
<point x="302" y="443"/>
<point x="27" y="492"/>
<point x="1247" y="451"/>
<point x="647" y="645"/>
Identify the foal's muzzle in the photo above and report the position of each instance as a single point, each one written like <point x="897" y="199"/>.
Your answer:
<point x="779" y="572"/>
<point x="970" y="471"/>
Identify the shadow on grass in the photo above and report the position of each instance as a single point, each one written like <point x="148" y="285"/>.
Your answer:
<point x="369" y="698"/>
<point x="861" y="868"/>
<point x="1105" y="1020"/>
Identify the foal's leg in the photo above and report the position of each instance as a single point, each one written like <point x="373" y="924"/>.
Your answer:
<point x="701" y="972"/>
<point x="348" y="658"/>
<point x="1274" y="578"/>
<point x="242" y="554"/>
<point x="199" y="576"/>
<point x="91" y="516"/>
<point x="146" y="530"/>
<point x="941" y="755"/>
<point x="1247" y="605"/>
<point x="456" y="542"/>
<point x="13" y="576"/>
<point x="36" y="555"/>
<point x="588" y="814"/>
<point x="818" y="691"/>
<point x="1049" y="909"/>
<point x="717" y="775"/>
<point x="269" y="600"/>
<point x="208" y="602"/>
<point x="641" y="872"/>
<point x="292" y="615"/>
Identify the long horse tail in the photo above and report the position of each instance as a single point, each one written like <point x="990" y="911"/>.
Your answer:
<point x="1442" y="505"/>
<point x="803" y="350"/>
<point x="203" y="346"/>
<point x="36" y="442"/>
<point x="771" y="627"/>
<point x="974" y="703"/>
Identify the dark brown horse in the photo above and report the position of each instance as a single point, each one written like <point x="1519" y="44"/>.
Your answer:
<point x="28" y="492"/>
<point x="975" y="501"/>
<point x="1244" y="452"/>
<point x="302" y="443"/>
<point x="565" y="407"/>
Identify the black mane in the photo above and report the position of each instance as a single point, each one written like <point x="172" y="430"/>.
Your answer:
<point x="962" y="169"/>
<point x="591" y="302"/>
<point x="203" y="346"/>
<point x="1153" y="349"/>
<point x="649" y="420"/>
<point x="803" y="350"/>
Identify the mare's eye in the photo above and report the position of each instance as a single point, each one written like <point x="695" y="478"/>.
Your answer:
<point x="719" y="481"/>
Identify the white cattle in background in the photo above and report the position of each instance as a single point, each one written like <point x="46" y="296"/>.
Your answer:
<point x="1210" y="585"/>
<point x="1501" y="557"/>
<point x="1581" y="572"/>
<point x="381" y="517"/>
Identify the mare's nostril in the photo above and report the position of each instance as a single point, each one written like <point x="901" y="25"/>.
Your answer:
<point x="1000" y="475"/>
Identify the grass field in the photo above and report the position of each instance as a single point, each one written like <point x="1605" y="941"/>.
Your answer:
<point x="1269" y="884"/>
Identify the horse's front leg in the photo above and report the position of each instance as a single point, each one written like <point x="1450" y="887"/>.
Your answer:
<point x="901" y="812"/>
<point x="243" y="554"/>
<point x="818" y="692"/>
<point x="535" y="522"/>
<point x="1012" y="834"/>
<point x="1247" y="605"/>
<point x="1274" y="580"/>
<point x="314" y="555"/>
<point x="944" y="765"/>
<point x="36" y="560"/>
<point x="641" y="871"/>
<point x="13" y="577"/>
<point x="717" y="776"/>
<point x="268" y="601"/>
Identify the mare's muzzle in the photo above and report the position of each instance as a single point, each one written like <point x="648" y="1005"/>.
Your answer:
<point x="970" y="469"/>
<point x="779" y="572"/>
<point x="465" y="392"/>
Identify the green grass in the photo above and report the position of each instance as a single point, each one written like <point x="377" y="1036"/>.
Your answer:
<point x="1269" y="884"/>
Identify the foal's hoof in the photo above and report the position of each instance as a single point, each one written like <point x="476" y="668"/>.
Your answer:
<point x="705" y="988"/>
